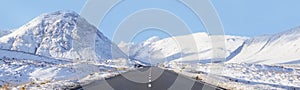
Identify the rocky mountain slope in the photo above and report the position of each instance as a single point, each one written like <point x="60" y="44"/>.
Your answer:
<point x="61" y="35"/>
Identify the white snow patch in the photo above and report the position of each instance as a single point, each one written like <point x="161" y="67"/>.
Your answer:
<point x="243" y="76"/>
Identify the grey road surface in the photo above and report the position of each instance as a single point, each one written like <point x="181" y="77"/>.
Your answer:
<point x="152" y="78"/>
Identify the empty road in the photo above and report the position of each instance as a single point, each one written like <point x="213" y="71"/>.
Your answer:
<point x="149" y="78"/>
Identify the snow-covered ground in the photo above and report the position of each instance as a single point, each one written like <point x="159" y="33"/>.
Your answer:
<point x="33" y="74"/>
<point x="243" y="76"/>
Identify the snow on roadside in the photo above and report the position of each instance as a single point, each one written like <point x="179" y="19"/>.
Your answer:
<point x="37" y="75"/>
<point x="243" y="76"/>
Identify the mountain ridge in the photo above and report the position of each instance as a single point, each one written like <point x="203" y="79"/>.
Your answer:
<point x="178" y="48"/>
<point x="276" y="48"/>
<point x="61" y="35"/>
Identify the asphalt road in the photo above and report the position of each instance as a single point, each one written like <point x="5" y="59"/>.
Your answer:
<point x="149" y="78"/>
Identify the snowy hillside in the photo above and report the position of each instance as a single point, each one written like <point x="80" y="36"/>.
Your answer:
<point x="4" y="32"/>
<point x="243" y="76"/>
<point x="48" y="75"/>
<point x="61" y="35"/>
<point x="283" y="47"/>
<point x="187" y="48"/>
<point x="17" y="55"/>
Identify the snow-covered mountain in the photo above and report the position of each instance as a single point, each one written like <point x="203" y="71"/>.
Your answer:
<point x="187" y="48"/>
<point x="282" y="47"/>
<point x="4" y="32"/>
<point x="61" y="35"/>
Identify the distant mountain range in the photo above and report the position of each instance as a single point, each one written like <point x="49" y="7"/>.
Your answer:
<point x="192" y="48"/>
<point x="280" y="48"/>
<point x="64" y="35"/>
